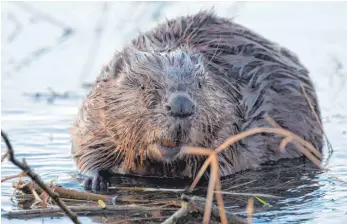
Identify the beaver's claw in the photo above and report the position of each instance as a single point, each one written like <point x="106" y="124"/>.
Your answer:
<point x="98" y="182"/>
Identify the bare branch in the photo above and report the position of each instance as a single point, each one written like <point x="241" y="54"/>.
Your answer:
<point x="22" y="174"/>
<point x="250" y="209"/>
<point x="23" y="166"/>
<point x="199" y="203"/>
<point x="148" y="189"/>
<point x="81" y="210"/>
<point x="179" y="214"/>
<point x="4" y="156"/>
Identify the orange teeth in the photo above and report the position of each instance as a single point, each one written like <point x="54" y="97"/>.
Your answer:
<point x="169" y="144"/>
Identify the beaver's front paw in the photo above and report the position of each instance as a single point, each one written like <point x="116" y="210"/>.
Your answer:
<point x="98" y="182"/>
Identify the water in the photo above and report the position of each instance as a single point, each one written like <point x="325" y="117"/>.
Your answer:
<point x="58" y="46"/>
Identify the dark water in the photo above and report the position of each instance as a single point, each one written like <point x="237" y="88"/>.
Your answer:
<point x="50" y="49"/>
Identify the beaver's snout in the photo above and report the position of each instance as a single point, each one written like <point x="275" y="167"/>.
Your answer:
<point x="180" y="105"/>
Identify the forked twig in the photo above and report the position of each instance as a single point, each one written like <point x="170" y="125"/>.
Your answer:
<point x="303" y="146"/>
<point x="240" y="136"/>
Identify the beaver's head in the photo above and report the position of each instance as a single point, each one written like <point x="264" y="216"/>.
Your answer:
<point x="160" y="102"/>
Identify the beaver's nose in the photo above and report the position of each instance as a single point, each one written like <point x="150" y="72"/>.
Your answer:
<point x="179" y="105"/>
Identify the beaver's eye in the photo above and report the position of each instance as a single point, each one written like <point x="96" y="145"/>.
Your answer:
<point x="142" y="87"/>
<point x="199" y="85"/>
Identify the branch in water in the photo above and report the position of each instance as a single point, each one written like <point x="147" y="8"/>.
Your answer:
<point x="196" y="203"/>
<point x="81" y="210"/>
<point x="25" y="168"/>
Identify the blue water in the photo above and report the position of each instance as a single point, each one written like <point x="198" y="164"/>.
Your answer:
<point x="59" y="46"/>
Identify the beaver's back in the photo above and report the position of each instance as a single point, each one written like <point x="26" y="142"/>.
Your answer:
<point x="228" y="47"/>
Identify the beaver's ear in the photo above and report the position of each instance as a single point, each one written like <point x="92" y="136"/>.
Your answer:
<point x="124" y="61"/>
<point x="117" y="65"/>
<point x="197" y="61"/>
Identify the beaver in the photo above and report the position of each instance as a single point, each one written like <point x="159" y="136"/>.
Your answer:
<point x="192" y="81"/>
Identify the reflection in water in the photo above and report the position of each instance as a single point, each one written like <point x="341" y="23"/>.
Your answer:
<point x="294" y="180"/>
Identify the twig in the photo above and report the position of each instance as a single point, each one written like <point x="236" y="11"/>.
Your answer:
<point x="37" y="198"/>
<point x="250" y="209"/>
<point x="219" y="196"/>
<point x="262" y="201"/>
<point x="285" y="142"/>
<point x="249" y="194"/>
<point x="196" y="203"/>
<point x="312" y="108"/>
<point x="238" y="137"/>
<point x="144" y="189"/>
<point x="280" y="131"/>
<point x="331" y="149"/>
<point x="299" y="146"/>
<point x="76" y="196"/>
<point x="22" y="174"/>
<point x="131" y="220"/>
<point x="80" y="210"/>
<point x="62" y="192"/>
<point x="15" y="190"/>
<point x="23" y="166"/>
<point x="179" y="214"/>
<point x="4" y="156"/>
<point x="211" y="187"/>
<point x="240" y="185"/>
<point x="302" y="149"/>
<point x="199" y="203"/>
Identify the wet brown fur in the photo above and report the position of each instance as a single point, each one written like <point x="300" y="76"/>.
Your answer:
<point x="249" y="75"/>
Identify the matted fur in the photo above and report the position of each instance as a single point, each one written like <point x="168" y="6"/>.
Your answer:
<point x="233" y="75"/>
